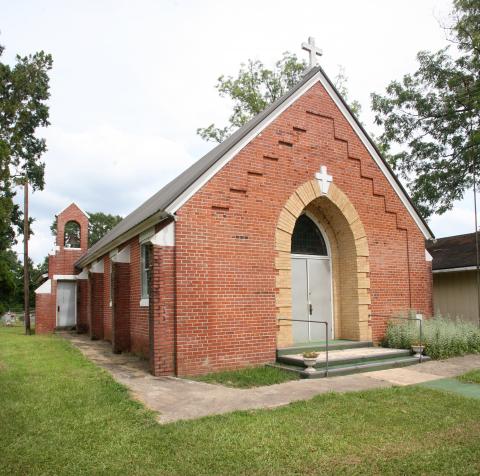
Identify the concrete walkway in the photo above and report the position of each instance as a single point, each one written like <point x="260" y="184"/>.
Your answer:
<point x="181" y="399"/>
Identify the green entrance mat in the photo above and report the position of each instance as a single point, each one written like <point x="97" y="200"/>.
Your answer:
<point x="470" y="390"/>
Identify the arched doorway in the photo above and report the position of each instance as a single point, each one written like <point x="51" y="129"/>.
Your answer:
<point x="347" y="249"/>
<point x="311" y="281"/>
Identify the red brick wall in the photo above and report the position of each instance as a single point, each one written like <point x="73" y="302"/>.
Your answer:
<point x="45" y="316"/>
<point x="107" y="308"/>
<point x="225" y="237"/>
<point x="72" y="213"/>
<point x="133" y="320"/>
<point x="121" y="307"/>
<point x="139" y="338"/>
<point x="213" y="295"/>
<point x="96" y="307"/>
<point x="82" y="305"/>
<point x="62" y="263"/>
<point x="162" y="310"/>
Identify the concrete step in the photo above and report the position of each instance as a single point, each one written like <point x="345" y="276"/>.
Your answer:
<point x="339" y="344"/>
<point x="346" y="356"/>
<point x="349" y="368"/>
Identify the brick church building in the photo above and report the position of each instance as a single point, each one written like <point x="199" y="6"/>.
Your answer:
<point x="295" y="218"/>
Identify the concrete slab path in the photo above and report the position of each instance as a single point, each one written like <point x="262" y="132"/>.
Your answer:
<point x="182" y="399"/>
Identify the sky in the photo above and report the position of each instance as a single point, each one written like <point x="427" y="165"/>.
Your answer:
<point x="133" y="80"/>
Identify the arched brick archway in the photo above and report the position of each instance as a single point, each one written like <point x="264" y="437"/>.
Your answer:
<point x="350" y="264"/>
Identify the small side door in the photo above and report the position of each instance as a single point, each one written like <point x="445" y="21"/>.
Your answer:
<point x="66" y="303"/>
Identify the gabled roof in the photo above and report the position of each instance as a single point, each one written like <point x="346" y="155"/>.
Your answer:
<point x="453" y="252"/>
<point x="75" y="205"/>
<point x="173" y="195"/>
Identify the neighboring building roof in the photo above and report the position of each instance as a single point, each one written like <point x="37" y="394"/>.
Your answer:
<point x="167" y="200"/>
<point x="453" y="252"/>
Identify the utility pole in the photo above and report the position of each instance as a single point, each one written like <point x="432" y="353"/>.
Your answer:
<point x="476" y="241"/>
<point x="26" y="278"/>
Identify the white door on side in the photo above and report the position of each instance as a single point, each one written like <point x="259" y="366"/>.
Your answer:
<point x="66" y="303"/>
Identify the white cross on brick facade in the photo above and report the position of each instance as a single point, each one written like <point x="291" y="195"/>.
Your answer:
<point x="324" y="179"/>
<point x="313" y="50"/>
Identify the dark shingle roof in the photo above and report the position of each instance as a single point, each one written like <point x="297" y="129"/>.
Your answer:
<point x="453" y="251"/>
<point x="170" y="192"/>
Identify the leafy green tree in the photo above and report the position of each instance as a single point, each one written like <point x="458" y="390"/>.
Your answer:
<point x="24" y="90"/>
<point x="99" y="225"/>
<point x="340" y="82"/>
<point x="8" y="279"/>
<point x="256" y="86"/>
<point x="8" y="213"/>
<point x="432" y="117"/>
<point x="35" y="274"/>
<point x="13" y="299"/>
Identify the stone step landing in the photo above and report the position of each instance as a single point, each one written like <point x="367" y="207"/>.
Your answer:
<point x="349" y="361"/>
<point x="338" y="344"/>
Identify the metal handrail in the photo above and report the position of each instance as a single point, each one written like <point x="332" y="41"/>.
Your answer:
<point x="420" y="340"/>
<point x="326" y="336"/>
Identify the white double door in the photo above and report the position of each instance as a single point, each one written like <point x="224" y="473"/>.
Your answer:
<point x="66" y="303"/>
<point x="311" y="298"/>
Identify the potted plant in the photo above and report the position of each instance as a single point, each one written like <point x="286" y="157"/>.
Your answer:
<point x="418" y="348"/>
<point x="310" y="359"/>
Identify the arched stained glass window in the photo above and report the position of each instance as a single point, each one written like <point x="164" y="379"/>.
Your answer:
<point x="307" y="239"/>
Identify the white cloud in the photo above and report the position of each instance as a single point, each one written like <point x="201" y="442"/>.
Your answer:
<point x="94" y="163"/>
<point x="132" y="81"/>
<point x="459" y="220"/>
<point x="101" y="169"/>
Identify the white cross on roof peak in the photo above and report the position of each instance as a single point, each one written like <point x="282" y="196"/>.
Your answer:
<point x="313" y="51"/>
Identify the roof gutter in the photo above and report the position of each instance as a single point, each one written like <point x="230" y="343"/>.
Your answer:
<point x="454" y="270"/>
<point x="154" y="219"/>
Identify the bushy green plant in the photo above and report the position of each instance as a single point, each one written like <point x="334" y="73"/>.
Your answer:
<point x="442" y="338"/>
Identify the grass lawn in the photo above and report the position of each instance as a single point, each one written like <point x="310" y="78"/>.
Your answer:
<point x="470" y="377"/>
<point x="62" y="415"/>
<point x="246" y="378"/>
